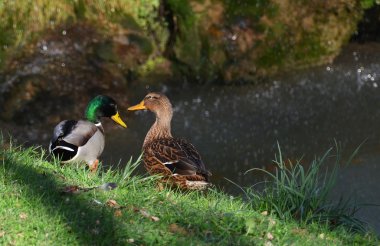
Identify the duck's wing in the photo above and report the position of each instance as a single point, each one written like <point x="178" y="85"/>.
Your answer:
<point x="178" y="155"/>
<point x="69" y="135"/>
<point x="80" y="132"/>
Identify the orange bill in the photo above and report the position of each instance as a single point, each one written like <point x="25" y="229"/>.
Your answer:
<point x="139" y="106"/>
<point x="118" y="120"/>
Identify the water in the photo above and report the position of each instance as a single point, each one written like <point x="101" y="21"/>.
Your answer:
<point x="236" y="128"/>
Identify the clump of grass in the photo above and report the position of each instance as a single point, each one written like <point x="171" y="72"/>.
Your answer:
<point x="304" y="193"/>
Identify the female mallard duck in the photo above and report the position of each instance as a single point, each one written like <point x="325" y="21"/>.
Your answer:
<point x="177" y="160"/>
<point x="83" y="140"/>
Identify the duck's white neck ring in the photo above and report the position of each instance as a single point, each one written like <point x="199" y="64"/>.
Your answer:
<point x="99" y="126"/>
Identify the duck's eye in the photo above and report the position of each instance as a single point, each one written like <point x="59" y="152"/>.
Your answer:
<point x="151" y="97"/>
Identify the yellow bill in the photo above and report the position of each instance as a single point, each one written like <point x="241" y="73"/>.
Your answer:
<point x="139" y="106"/>
<point x="118" y="120"/>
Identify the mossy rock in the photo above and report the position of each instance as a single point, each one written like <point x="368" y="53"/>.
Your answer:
<point x="240" y="41"/>
<point x="204" y="40"/>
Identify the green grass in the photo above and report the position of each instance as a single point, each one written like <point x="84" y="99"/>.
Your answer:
<point x="34" y="211"/>
<point x="296" y="191"/>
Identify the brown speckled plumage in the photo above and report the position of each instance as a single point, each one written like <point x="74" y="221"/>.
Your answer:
<point x="175" y="159"/>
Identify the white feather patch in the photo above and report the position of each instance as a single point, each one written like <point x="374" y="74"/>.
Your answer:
<point x="169" y="162"/>
<point x="63" y="147"/>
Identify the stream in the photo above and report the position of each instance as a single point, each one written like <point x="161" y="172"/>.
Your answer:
<point x="236" y="128"/>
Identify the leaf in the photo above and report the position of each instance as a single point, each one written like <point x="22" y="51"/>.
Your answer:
<point x="154" y="218"/>
<point x="118" y="213"/>
<point x="95" y="231"/>
<point x="97" y="202"/>
<point x="175" y="228"/>
<point x="23" y="216"/>
<point x="74" y="189"/>
<point x="113" y="204"/>
<point x="107" y="186"/>
<point x="250" y="225"/>
<point x="271" y="223"/>
<point x="71" y="189"/>
<point x="208" y="233"/>
<point x="299" y="231"/>
<point x="160" y="187"/>
<point x="146" y="214"/>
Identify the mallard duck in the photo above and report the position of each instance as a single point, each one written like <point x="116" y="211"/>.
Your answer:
<point x="83" y="140"/>
<point x="175" y="159"/>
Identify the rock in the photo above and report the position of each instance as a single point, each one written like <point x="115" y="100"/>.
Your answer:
<point x="244" y="40"/>
<point x="107" y="46"/>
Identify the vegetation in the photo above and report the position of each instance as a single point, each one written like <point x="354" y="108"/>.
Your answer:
<point x="223" y="40"/>
<point x="24" y="21"/>
<point x="43" y="203"/>
<point x="366" y="4"/>
<point x="304" y="194"/>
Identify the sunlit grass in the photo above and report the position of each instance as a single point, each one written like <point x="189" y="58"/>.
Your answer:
<point x="35" y="211"/>
<point x="304" y="193"/>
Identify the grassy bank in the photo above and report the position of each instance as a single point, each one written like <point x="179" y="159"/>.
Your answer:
<point x="42" y="203"/>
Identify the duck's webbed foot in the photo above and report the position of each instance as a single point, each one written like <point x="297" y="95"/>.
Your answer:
<point x="94" y="166"/>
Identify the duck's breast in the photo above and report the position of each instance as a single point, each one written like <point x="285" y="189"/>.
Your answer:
<point x="92" y="149"/>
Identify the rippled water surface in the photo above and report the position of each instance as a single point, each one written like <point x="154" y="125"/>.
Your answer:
<point x="236" y="128"/>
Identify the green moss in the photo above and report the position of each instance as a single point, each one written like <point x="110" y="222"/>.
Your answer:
<point x="274" y="49"/>
<point x="23" y="21"/>
<point x="105" y="51"/>
<point x="125" y="20"/>
<point x="150" y="65"/>
<point x="309" y="49"/>
<point x="183" y="11"/>
<point x="271" y="44"/>
<point x="143" y="43"/>
<point x="79" y="9"/>
<point x="253" y="10"/>
<point x="187" y="44"/>
<point x="273" y="56"/>
<point x="366" y="4"/>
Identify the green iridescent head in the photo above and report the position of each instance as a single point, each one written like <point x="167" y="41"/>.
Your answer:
<point x="103" y="106"/>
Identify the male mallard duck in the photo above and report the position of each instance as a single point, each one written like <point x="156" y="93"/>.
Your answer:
<point x="176" y="159"/>
<point x="83" y="140"/>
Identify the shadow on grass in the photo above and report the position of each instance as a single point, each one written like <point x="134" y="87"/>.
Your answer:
<point x="80" y="216"/>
